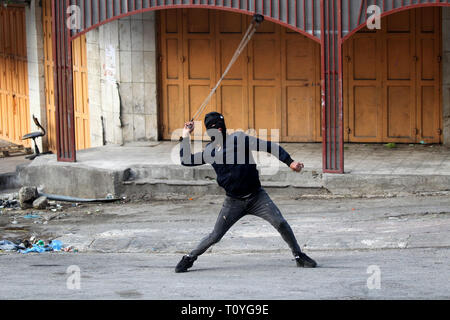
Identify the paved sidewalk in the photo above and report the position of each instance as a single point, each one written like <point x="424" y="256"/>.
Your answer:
<point x="359" y="158"/>
<point x="9" y="164"/>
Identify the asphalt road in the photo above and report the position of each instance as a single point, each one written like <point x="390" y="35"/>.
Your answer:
<point x="372" y="274"/>
<point x="381" y="248"/>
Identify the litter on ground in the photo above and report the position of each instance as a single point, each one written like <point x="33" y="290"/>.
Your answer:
<point x="39" y="246"/>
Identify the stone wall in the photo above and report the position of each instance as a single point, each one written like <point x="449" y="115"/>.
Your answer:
<point x="122" y="59"/>
<point x="36" y="75"/>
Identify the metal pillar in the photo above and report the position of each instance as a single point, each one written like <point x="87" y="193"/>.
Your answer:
<point x="332" y="94"/>
<point x="63" y="77"/>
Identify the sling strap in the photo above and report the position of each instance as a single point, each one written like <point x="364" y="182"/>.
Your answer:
<point x="257" y="20"/>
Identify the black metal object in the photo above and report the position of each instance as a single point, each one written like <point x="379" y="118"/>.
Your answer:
<point x="258" y="18"/>
<point x="34" y="136"/>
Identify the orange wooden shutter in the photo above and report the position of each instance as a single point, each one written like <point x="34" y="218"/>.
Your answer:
<point x="14" y="97"/>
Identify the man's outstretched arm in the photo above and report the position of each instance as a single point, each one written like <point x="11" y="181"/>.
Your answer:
<point x="187" y="158"/>
<point x="276" y="150"/>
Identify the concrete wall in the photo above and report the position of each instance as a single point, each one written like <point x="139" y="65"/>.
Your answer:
<point x="446" y="74"/>
<point x="36" y="75"/>
<point x="122" y="54"/>
<point x="104" y="103"/>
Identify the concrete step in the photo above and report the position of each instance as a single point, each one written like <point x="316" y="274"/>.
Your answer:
<point x="8" y="181"/>
<point x="163" y="188"/>
<point x="307" y="178"/>
<point x="385" y="184"/>
<point x="206" y="172"/>
<point x="159" y="180"/>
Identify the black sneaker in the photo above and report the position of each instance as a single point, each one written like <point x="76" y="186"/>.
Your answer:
<point x="303" y="261"/>
<point x="185" y="263"/>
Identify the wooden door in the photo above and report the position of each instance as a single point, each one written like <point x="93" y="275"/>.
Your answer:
<point x="198" y="60"/>
<point x="392" y="80"/>
<point x="365" y="114"/>
<point x="14" y="97"/>
<point x="428" y="76"/>
<point x="172" y="72"/>
<point x="398" y="82"/>
<point x="80" y="90"/>
<point x="233" y="95"/>
<point x="49" y="80"/>
<point x="265" y="78"/>
<point x="300" y="88"/>
<point x="273" y="84"/>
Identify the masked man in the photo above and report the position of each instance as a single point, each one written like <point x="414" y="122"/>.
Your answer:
<point x="232" y="160"/>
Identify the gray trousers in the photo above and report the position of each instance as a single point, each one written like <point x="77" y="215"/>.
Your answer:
<point x="259" y="205"/>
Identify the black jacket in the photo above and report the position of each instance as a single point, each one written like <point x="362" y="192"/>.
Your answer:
<point x="234" y="164"/>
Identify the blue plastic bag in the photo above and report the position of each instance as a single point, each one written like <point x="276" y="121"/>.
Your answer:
<point x="32" y="216"/>
<point x="6" y="245"/>
<point x="56" y="245"/>
<point x="35" y="248"/>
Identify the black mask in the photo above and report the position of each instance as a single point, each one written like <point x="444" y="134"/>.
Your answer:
<point x="215" y="120"/>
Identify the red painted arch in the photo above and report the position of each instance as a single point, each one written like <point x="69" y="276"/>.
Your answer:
<point x="392" y="11"/>
<point x="196" y="6"/>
